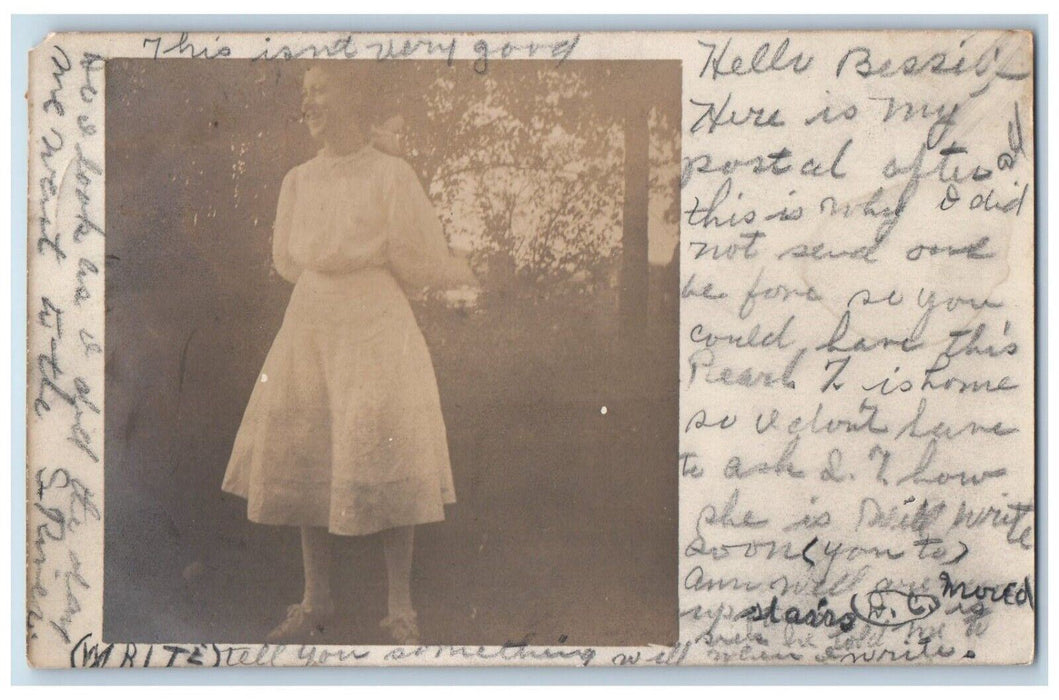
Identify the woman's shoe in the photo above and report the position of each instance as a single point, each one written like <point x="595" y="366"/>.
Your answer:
<point x="301" y="625"/>
<point x="402" y="628"/>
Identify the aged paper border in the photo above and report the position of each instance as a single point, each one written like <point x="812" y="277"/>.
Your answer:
<point x="87" y="530"/>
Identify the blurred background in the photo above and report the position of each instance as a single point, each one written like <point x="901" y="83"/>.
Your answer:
<point x="559" y="393"/>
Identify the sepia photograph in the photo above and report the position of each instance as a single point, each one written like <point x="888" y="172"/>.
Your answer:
<point x="391" y="351"/>
<point x="569" y="349"/>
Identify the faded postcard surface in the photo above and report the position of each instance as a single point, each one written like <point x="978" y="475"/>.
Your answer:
<point x="597" y="349"/>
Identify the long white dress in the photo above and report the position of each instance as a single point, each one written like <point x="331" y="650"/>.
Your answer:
<point x="344" y="428"/>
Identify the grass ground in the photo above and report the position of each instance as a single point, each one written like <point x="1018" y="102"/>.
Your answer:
<point x="565" y="526"/>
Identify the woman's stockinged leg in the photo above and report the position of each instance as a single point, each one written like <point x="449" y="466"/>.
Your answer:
<point x="316" y="561"/>
<point x="401" y="620"/>
<point x="310" y="617"/>
<point x="397" y="548"/>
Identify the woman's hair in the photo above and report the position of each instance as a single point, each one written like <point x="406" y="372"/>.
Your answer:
<point x="369" y="85"/>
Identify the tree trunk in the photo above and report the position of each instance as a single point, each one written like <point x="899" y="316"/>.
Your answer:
<point x="633" y="290"/>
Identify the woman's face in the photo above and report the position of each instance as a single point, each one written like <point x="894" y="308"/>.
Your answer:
<point x="325" y="107"/>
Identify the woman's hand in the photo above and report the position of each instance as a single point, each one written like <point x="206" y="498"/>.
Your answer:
<point x="463" y="298"/>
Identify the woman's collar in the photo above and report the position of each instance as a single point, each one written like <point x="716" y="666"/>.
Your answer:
<point x="355" y="154"/>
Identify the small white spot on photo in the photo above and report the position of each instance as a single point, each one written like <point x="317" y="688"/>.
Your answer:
<point x="603" y="411"/>
<point x="264" y="377"/>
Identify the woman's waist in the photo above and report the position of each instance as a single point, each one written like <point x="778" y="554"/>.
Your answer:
<point x="366" y="280"/>
<point x="360" y="295"/>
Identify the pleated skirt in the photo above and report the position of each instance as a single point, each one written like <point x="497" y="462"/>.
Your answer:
<point x="344" y="428"/>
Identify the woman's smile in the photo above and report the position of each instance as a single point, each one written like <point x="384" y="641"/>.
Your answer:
<point x="314" y="119"/>
<point x="324" y="106"/>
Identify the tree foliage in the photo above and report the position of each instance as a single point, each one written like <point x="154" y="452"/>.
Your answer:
<point x="524" y="163"/>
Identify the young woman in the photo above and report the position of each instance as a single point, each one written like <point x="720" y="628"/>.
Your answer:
<point x="343" y="434"/>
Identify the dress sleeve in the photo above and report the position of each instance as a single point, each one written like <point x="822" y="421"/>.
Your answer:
<point x="281" y="258"/>
<point x="418" y="252"/>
